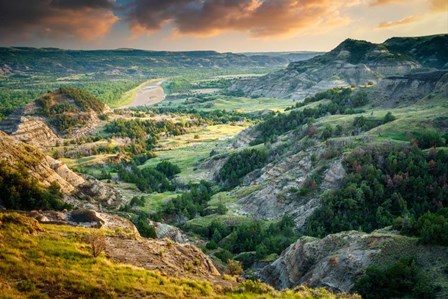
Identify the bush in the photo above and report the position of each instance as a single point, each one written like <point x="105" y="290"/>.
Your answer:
<point x="388" y="117"/>
<point x="168" y="168"/>
<point x="234" y="267"/>
<point x="429" y="138"/>
<point x="137" y="201"/>
<point x="97" y="242"/>
<point x="143" y="227"/>
<point x="211" y="245"/>
<point x="255" y="287"/>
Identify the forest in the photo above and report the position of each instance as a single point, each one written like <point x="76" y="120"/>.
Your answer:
<point x="383" y="182"/>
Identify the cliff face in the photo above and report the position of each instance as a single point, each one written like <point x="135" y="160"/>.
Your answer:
<point x="338" y="260"/>
<point x="334" y="262"/>
<point x="77" y="190"/>
<point x="32" y="130"/>
<point x="351" y="63"/>
<point x="403" y="90"/>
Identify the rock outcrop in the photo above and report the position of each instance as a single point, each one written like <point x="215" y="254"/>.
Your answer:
<point x="167" y="231"/>
<point x="125" y="245"/>
<point x="32" y="130"/>
<point x="78" y="190"/>
<point x="405" y="90"/>
<point x="338" y="260"/>
<point x="335" y="261"/>
<point x="272" y="197"/>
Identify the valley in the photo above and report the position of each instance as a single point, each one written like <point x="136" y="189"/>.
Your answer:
<point x="221" y="175"/>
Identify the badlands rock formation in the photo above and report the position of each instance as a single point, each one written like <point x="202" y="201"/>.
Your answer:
<point x="78" y="190"/>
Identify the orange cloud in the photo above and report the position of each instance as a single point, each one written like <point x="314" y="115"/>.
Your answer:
<point x="439" y="5"/>
<point x="435" y="5"/>
<point x="384" y="2"/>
<point x="404" y="21"/>
<point x="257" y="18"/>
<point x="84" y="19"/>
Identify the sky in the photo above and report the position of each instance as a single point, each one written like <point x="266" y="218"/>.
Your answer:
<point x="221" y="25"/>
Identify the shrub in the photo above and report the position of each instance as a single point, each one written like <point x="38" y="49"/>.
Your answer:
<point x="97" y="242"/>
<point x="143" y="227"/>
<point x="26" y="286"/>
<point x="388" y="117"/>
<point x="432" y="228"/>
<point x="234" y="267"/>
<point x="255" y="287"/>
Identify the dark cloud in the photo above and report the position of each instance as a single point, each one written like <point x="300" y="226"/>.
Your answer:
<point x="76" y="4"/>
<point x="257" y="17"/>
<point x="22" y="19"/>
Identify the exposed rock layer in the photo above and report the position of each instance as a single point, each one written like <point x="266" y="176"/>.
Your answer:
<point x="78" y="190"/>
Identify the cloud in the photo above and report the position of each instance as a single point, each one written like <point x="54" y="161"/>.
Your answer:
<point x="384" y="2"/>
<point x="57" y="19"/>
<point x="76" y="4"/>
<point x="434" y="5"/>
<point x="259" y="18"/>
<point x="404" y="21"/>
<point x="439" y="5"/>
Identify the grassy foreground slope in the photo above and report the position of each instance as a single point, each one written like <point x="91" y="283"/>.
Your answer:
<point x="54" y="261"/>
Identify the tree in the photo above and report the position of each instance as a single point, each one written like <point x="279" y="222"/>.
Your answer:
<point x="222" y="209"/>
<point x="388" y="117"/>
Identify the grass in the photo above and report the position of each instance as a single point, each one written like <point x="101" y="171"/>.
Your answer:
<point x="249" y="105"/>
<point x="155" y="200"/>
<point x="221" y="197"/>
<point x="203" y="134"/>
<point x="229" y="220"/>
<point x="187" y="158"/>
<point x="33" y="257"/>
<point x="87" y="161"/>
<point x="229" y="103"/>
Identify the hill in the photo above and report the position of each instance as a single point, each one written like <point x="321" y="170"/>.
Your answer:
<point x="127" y="62"/>
<point x="67" y="112"/>
<point x="33" y="255"/>
<point x="429" y="51"/>
<point x="353" y="62"/>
